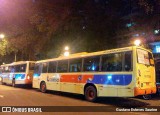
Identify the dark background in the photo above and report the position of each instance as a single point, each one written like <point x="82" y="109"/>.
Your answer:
<point x="39" y="29"/>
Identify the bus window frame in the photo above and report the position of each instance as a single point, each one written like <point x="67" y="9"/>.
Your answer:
<point x="40" y="67"/>
<point x="58" y="65"/>
<point x="55" y="66"/>
<point x="123" y="65"/>
<point x="45" y="68"/>
<point x="25" y="68"/>
<point x="148" y="57"/>
<point x="122" y="61"/>
<point x="73" y="59"/>
<point x="91" y="57"/>
<point x="31" y="63"/>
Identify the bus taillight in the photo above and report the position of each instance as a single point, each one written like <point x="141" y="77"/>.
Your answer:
<point x="28" y="77"/>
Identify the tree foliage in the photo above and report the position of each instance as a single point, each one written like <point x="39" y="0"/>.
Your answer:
<point x="37" y="29"/>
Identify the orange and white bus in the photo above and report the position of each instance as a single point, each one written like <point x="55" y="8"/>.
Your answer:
<point x="17" y="73"/>
<point x="122" y="72"/>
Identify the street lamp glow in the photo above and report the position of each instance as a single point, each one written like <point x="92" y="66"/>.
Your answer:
<point x="66" y="48"/>
<point x="66" y="53"/>
<point x="137" y="42"/>
<point x="2" y="36"/>
<point x="156" y="31"/>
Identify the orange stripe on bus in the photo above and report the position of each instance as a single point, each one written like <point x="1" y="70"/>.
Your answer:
<point x="76" y="78"/>
<point x="86" y="78"/>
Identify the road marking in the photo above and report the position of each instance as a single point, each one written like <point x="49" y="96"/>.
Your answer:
<point x="1" y="96"/>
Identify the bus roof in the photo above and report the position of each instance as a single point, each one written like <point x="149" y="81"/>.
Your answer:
<point x="17" y="63"/>
<point x="85" y="54"/>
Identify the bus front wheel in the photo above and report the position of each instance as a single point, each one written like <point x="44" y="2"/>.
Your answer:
<point x="90" y="93"/>
<point x="43" y="87"/>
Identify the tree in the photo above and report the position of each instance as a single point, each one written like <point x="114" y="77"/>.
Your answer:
<point x="38" y="29"/>
<point x="30" y="26"/>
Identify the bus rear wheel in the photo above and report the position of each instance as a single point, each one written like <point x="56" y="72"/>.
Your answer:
<point x="43" y="87"/>
<point x="90" y="93"/>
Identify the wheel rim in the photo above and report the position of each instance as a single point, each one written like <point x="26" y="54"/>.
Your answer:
<point x="90" y="94"/>
<point x="43" y="87"/>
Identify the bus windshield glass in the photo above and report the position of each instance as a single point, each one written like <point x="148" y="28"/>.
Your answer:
<point x="31" y="66"/>
<point x="144" y="57"/>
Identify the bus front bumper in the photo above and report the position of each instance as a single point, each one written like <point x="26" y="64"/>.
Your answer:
<point x="138" y="91"/>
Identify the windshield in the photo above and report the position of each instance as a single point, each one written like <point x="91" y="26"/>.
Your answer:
<point x="31" y="66"/>
<point x="144" y="57"/>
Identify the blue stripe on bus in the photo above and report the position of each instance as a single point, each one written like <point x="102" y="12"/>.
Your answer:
<point x="109" y="79"/>
<point x="36" y="75"/>
<point x="19" y="76"/>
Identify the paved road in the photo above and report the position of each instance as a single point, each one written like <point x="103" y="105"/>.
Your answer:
<point x="10" y="96"/>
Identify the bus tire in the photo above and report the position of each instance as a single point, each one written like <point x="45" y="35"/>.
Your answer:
<point x="43" y="87"/>
<point x="13" y="83"/>
<point x="90" y="93"/>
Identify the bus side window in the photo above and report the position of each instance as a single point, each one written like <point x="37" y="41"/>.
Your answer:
<point x="62" y="66"/>
<point x="112" y="62"/>
<point x="91" y="63"/>
<point x="75" y="65"/>
<point x="52" y="67"/>
<point x="6" y="69"/>
<point x="31" y="66"/>
<point x="38" y="68"/>
<point x="23" y="68"/>
<point x="128" y="61"/>
<point x="45" y="67"/>
<point x="17" y="68"/>
<point x="12" y="69"/>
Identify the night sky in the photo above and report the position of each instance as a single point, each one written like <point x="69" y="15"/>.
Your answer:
<point x="38" y="29"/>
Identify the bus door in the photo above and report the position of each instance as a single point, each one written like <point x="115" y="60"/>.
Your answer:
<point x="36" y="75"/>
<point x="145" y="69"/>
<point x="9" y="75"/>
<point x="4" y="75"/>
<point x="53" y="78"/>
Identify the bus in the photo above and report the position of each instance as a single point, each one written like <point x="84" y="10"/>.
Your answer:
<point x="17" y="73"/>
<point x="121" y="72"/>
